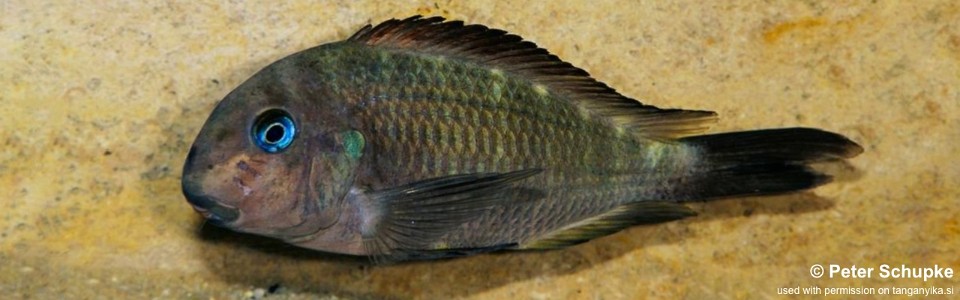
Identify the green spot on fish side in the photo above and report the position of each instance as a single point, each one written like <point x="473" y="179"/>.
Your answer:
<point x="353" y="143"/>
<point x="541" y="90"/>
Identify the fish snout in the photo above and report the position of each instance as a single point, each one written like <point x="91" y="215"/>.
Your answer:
<point x="209" y="206"/>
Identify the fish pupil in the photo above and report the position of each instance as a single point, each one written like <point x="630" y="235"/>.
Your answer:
<point x="274" y="131"/>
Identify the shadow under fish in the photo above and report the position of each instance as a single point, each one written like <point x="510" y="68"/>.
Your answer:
<point x="424" y="139"/>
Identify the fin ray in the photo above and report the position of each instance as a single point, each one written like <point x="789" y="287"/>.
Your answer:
<point x="636" y="213"/>
<point x="416" y="214"/>
<point x="761" y="162"/>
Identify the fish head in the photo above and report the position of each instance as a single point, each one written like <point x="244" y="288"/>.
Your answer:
<point x="273" y="158"/>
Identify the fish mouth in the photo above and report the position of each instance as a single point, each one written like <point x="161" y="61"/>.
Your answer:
<point x="209" y="206"/>
<point x="216" y="214"/>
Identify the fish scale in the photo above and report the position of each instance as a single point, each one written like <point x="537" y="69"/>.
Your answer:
<point x="547" y="132"/>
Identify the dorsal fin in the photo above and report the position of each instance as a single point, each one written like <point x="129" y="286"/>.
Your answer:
<point x="498" y="49"/>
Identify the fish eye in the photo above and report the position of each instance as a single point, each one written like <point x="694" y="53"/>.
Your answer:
<point x="274" y="130"/>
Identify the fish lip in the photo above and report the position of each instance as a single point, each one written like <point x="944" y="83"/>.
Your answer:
<point x="219" y="215"/>
<point x="211" y="208"/>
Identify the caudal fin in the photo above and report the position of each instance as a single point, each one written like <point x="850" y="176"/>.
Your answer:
<point x="762" y="162"/>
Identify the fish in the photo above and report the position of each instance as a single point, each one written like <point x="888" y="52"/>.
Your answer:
<point x="423" y="138"/>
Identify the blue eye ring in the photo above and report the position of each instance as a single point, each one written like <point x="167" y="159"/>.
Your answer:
<point x="274" y="130"/>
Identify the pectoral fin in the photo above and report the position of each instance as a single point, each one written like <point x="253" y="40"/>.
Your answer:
<point x="415" y="215"/>
<point x="644" y="212"/>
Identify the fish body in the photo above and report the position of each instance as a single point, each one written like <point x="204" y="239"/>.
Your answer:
<point x="421" y="138"/>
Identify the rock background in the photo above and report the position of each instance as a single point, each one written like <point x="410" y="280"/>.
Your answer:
<point x="100" y="100"/>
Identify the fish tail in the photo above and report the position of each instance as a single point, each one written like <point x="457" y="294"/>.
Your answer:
<point x="762" y="162"/>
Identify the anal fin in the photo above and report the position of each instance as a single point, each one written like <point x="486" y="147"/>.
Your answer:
<point x="637" y="213"/>
<point x="450" y="253"/>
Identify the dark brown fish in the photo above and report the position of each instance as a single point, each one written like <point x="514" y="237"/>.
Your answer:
<point x="420" y="139"/>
